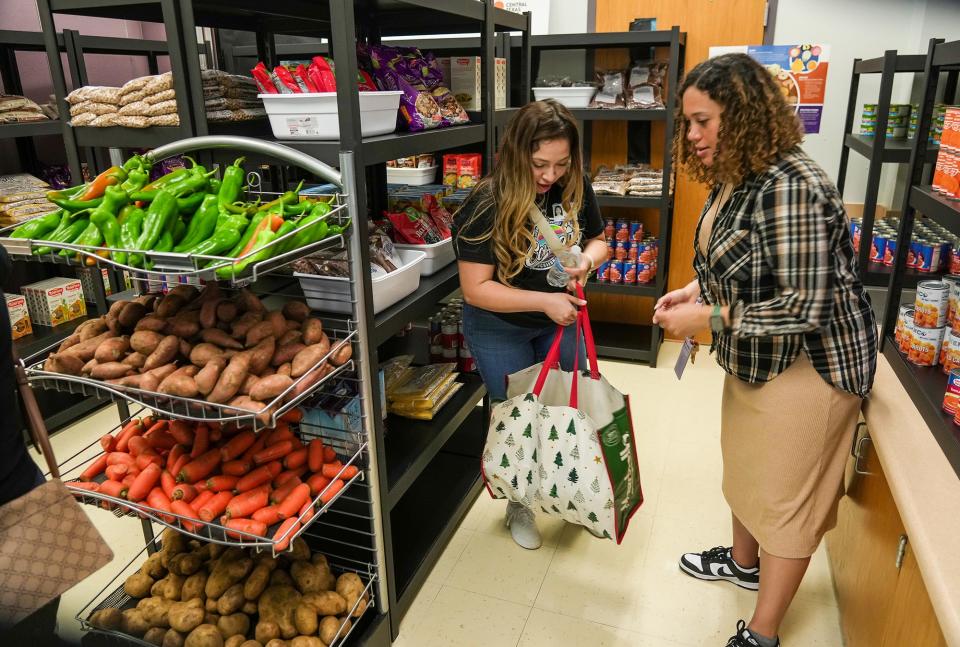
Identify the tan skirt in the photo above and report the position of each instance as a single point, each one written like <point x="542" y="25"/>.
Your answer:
<point x="785" y="445"/>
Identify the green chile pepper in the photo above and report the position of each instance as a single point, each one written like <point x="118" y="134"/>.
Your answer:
<point x="202" y="224"/>
<point x="231" y="187"/>
<point x="90" y="236"/>
<point x="165" y="244"/>
<point x="259" y="253"/>
<point x="218" y="243"/>
<point x="105" y="218"/>
<point x="297" y="209"/>
<point x="179" y="229"/>
<point x="157" y="220"/>
<point x="215" y="185"/>
<point x="191" y="203"/>
<point x="38" y="227"/>
<point x="136" y="179"/>
<point x="129" y="233"/>
<point x="68" y="234"/>
<point x="76" y="205"/>
<point x="248" y="234"/>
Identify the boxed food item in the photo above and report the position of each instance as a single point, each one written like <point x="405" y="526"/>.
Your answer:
<point x="86" y="276"/>
<point x="55" y="301"/>
<point x="462" y="170"/>
<point x="466" y="84"/>
<point x="19" y="316"/>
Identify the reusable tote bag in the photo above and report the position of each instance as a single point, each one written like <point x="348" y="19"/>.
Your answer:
<point x="563" y="443"/>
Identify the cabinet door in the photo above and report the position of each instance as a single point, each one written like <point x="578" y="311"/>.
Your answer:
<point x="863" y="552"/>
<point x="912" y="620"/>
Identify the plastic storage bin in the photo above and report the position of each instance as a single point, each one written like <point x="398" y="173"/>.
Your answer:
<point x="313" y="115"/>
<point x="570" y="97"/>
<point x="332" y="293"/>
<point x="439" y="255"/>
<point x="412" y="176"/>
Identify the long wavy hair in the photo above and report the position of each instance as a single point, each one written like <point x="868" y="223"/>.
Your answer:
<point x="756" y="127"/>
<point x="511" y="191"/>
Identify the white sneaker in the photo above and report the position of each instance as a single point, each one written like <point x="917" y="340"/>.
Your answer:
<point x="523" y="526"/>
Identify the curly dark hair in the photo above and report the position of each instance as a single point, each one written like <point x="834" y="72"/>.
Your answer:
<point x="756" y="128"/>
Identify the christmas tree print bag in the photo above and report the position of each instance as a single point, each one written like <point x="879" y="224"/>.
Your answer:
<point x="563" y="444"/>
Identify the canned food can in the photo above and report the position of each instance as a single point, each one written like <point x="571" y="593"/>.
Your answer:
<point x="611" y="248"/>
<point x="636" y="231"/>
<point x="644" y="273"/>
<point x="955" y="260"/>
<point x="450" y="354"/>
<point x="646" y="253"/>
<point x="603" y="272"/>
<point x="913" y="256"/>
<point x="951" y="357"/>
<point x="925" y="347"/>
<point x="953" y="299"/>
<point x="616" y="271"/>
<point x="609" y="228"/>
<point x="951" y="401"/>
<point x="622" y="231"/>
<point x="878" y="248"/>
<point x="855" y="229"/>
<point x="946" y="249"/>
<point x="629" y="272"/>
<point x="932" y="302"/>
<point x="890" y="253"/>
<point x="623" y="250"/>
<point x="905" y="313"/>
<point x="633" y="252"/>
<point x="906" y="336"/>
<point x="929" y="256"/>
<point x="450" y="336"/>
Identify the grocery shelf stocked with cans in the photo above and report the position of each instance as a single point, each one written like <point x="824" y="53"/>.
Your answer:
<point x="901" y="118"/>
<point x="933" y="249"/>
<point x="946" y="174"/>
<point x="631" y="254"/>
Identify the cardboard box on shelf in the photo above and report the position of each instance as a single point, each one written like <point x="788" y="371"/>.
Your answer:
<point x="465" y="81"/>
<point x="19" y="316"/>
<point x="86" y="276"/>
<point x="55" y="301"/>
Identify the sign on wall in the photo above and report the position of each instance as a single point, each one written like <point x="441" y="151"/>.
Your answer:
<point x="539" y="12"/>
<point x="800" y="71"/>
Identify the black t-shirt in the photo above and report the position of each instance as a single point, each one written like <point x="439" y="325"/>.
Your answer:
<point x="533" y="276"/>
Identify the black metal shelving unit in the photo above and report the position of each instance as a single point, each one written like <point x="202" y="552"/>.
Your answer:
<point x="879" y="150"/>
<point x="427" y="472"/>
<point x="925" y="385"/>
<point x="638" y="343"/>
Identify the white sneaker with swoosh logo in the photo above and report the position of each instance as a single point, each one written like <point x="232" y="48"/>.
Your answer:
<point x="718" y="564"/>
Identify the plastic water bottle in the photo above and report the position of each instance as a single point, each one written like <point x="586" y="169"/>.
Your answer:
<point x="556" y="275"/>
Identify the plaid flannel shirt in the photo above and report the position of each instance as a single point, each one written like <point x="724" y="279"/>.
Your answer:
<point x="780" y="254"/>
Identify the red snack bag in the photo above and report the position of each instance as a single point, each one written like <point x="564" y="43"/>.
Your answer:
<point x="413" y="227"/>
<point x="301" y="75"/>
<point x="451" y="164"/>
<point x="287" y="80"/>
<point x="441" y="218"/>
<point x="365" y="82"/>
<point x="263" y="78"/>
<point x="468" y="170"/>
<point x="326" y="75"/>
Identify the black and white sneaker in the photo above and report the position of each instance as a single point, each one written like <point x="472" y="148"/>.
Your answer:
<point x="743" y="638"/>
<point x="718" y="564"/>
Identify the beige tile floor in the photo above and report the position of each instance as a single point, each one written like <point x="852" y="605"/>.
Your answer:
<point x="575" y="590"/>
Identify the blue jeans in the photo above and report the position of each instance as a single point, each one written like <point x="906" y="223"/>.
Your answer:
<point x="500" y="348"/>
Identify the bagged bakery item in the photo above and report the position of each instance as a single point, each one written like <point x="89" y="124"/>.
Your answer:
<point x="611" y="93"/>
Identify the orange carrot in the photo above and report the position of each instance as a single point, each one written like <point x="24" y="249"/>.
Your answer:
<point x="317" y="482"/>
<point x="167" y="483"/>
<point x="137" y="445"/>
<point x="185" y="492"/>
<point x="306" y="513"/>
<point x="315" y="455"/>
<point x="243" y="505"/>
<point x="236" y="468"/>
<point x="201" y="486"/>
<point x="215" y="506"/>
<point x="129" y="479"/>
<point x="147" y="422"/>
<point x="295" y="500"/>
<point x="200" y="467"/>
<point x="335" y="487"/>
<point x="281" y="492"/>
<point x="222" y="482"/>
<point x="201" y="440"/>
<point x="115" y="489"/>
<point x="149" y="458"/>
<point x="117" y="472"/>
<point x="182" y="431"/>
<point x="144" y="482"/>
<point x="329" y="454"/>
<point x="216" y="434"/>
<point x="248" y="526"/>
<point x="108" y="442"/>
<point x="92" y="486"/>
<point x="286" y="530"/>
<point x="159" y="501"/>
<point x="261" y="475"/>
<point x="183" y="509"/>
<point x="96" y="468"/>
<point x="133" y="427"/>
<point x="254" y="448"/>
<point x="294" y="415"/>
<point x="283" y="477"/>
<point x="183" y="460"/>
<point x="201" y="500"/>
<point x="117" y="458"/>
<point x="269" y="515"/>
<point x="176" y="452"/>
<point x="161" y="440"/>
<point x="273" y="452"/>
<point x="331" y="470"/>
<point x="349" y="472"/>
<point x="281" y="434"/>
<point x="237" y="445"/>
<point x="295" y="459"/>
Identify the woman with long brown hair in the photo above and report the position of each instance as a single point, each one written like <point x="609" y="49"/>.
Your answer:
<point x="513" y="304"/>
<point x="777" y="285"/>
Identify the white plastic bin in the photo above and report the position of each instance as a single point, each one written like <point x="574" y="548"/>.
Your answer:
<point x="570" y="97"/>
<point x="332" y="293"/>
<point x="412" y="176"/>
<point x="439" y="255"/>
<point x="313" y="115"/>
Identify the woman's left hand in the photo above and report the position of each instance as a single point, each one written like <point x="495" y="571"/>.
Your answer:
<point x="579" y="273"/>
<point x="684" y="319"/>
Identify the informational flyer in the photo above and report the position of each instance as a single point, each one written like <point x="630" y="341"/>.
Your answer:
<point x="800" y="71"/>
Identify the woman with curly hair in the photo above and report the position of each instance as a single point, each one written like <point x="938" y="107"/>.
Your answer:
<point x="512" y="310"/>
<point x="792" y="326"/>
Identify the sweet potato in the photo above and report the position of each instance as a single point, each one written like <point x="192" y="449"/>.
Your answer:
<point x="152" y="323"/>
<point x="164" y="353"/>
<point x="207" y="378"/>
<point x="208" y="313"/>
<point x="145" y="341"/>
<point x="258" y="332"/>
<point x="240" y="327"/>
<point x="182" y="327"/>
<point x="286" y="353"/>
<point x="205" y="352"/>
<point x="70" y="341"/>
<point x="276" y="319"/>
<point x="307" y="358"/>
<point x="92" y="328"/>
<point x="268" y="388"/>
<point x="110" y="371"/>
<point x="249" y="302"/>
<point x="85" y="350"/>
<point x="284" y="369"/>
<point x="170" y="305"/>
<point x="342" y="353"/>
<point x="289" y="337"/>
<point x="65" y="363"/>
<point x="296" y="310"/>
<point x="88" y="367"/>
<point x="185" y="348"/>
<point x="185" y="291"/>
<point x="227" y="311"/>
<point x="220" y="338"/>
<point x="312" y="329"/>
<point x="131" y="314"/>
<point x="149" y="300"/>
<point x="231" y="379"/>
<point x="306" y="383"/>
<point x="135" y="360"/>
<point x="163" y="371"/>
<point x="147" y="382"/>
<point x="114" y="308"/>
<point x="248" y="384"/>
<point x="261" y="354"/>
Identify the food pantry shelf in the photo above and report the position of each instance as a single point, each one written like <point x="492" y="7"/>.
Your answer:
<point x="936" y="207"/>
<point x="642" y="290"/>
<point x="926" y="386"/>
<point x="894" y="150"/>
<point x="410" y="445"/>
<point x="45" y="336"/>
<point x="634" y="201"/>
<point x="432" y="288"/>
<point x="878" y="275"/>
<point x="30" y="129"/>
<point x="624" y="341"/>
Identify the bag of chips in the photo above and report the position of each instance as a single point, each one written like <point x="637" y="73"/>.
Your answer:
<point x="413" y="227"/>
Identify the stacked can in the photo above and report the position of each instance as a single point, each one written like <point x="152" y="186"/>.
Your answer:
<point x="856" y="227"/>
<point x="929" y="319"/>
<point x="951" y="399"/>
<point x="946" y="175"/>
<point x="903" y="333"/>
<point x="936" y="123"/>
<point x="631" y="254"/>
<point x="950" y="351"/>
<point x="898" y="119"/>
<point x="447" y="343"/>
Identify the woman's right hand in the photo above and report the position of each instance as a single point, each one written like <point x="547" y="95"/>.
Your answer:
<point x="561" y="307"/>
<point x="686" y="294"/>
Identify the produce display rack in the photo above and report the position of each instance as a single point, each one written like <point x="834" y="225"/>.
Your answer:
<point x="639" y="343"/>
<point x="925" y="385"/>
<point x="880" y="151"/>
<point x="392" y="521"/>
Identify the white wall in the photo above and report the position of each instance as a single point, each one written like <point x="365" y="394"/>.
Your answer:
<point x="862" y="29"/>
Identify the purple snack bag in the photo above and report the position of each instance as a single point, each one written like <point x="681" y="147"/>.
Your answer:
<point x="418" y="108"/>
